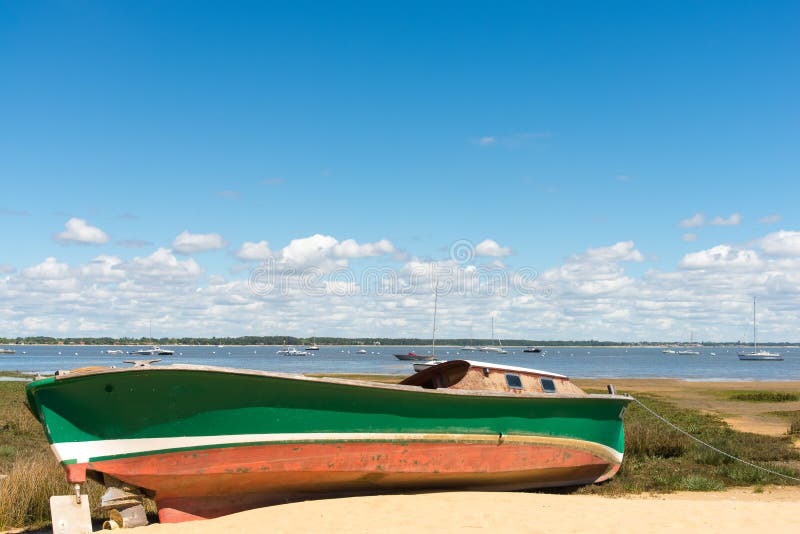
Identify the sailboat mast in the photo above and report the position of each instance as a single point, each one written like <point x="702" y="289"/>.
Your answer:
<point x="755" y="343"/>
<point x="433" y="334"/>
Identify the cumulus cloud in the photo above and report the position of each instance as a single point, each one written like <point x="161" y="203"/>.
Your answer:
<point x="621" y="251"/>
<point x="103" y="269"/>
<point x="162" y="264"/>
<point x="721" y="257"/>
<point x="689" y="237"/>
<point x="695" y="221"/>
<point x="326" y="252"/>
<point x="489" y="247"/>
<point x="782" y="243"/>
<point x="49" y="269"/>
<point x="79" y="231"/>
<point x="187" y="243"/>
<point x="733" y="220"/>
<point x="254" y="251"/>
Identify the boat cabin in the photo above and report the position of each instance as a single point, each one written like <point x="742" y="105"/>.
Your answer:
<point x="482" y="376"/>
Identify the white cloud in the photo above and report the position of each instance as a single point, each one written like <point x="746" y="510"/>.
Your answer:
<point x="696" y="220"/>
<point x="781" y="243"/>
<point x="186" y="243"/>
<point x="79" y="231"/>
<point x="326" y="252"/>
<point x="733" y="220"/>
<point x="489" y="247"/>
<point x="103" y="269"/>
<point x="689" y="237"/>
<point x="49" y="269"/>
<point x="349" y="248"/>
<point x="770" y="219"/>
<point x="721" y="257"/>
<point x="254" y="251"/>
<point x="162" y="264"/>
<point x="622" y="251"/>
<point x="6" y="268"/>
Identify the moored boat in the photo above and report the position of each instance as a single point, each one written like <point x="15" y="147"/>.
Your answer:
<point x="413" y="356"/>
<point x="207" y="441"/>
<point x="531" y="349"/>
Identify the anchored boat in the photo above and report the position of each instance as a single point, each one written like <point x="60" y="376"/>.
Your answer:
<point x="207" y="441"/>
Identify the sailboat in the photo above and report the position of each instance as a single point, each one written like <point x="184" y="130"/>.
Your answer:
<point x="313" y="345"/>
<point x="430" y="362"/>
<point x="758" y="355"/>
<point x="155" y="350"/>
<point x="688" y="352"/>
<point x="497" y="349"/>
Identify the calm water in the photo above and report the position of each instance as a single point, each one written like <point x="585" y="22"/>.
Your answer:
<point x="574" y="362"/>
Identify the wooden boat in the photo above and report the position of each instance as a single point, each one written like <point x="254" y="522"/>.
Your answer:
<point x="413" y="356"/>
<point x="208" y="441"/>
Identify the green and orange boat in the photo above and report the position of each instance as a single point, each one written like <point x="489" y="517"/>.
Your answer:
<point x="207" y="441"/>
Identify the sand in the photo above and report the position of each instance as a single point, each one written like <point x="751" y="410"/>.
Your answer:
<point x="775" y="510"/>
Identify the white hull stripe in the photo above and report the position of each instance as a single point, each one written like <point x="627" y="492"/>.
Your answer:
<point x="86" y="451"/>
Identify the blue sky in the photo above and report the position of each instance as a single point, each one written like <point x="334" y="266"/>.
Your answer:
<point x="549" y="128"/>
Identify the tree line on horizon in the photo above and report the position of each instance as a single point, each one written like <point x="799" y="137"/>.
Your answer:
<point x="292" y="340"/>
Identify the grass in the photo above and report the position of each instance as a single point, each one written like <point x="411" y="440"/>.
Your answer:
<point x="657" y="458"/>
<point x="794" y="420"/>
<point x="761" y="396"/>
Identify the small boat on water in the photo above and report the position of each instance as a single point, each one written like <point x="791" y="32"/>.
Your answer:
<point x="206" y="441"/>
<point x="497" y="349"/>
<point x="361" y="351"/>
<point x="531" y="349"/>
<point x="155" y="350"/>
<point x="688" y="352"/>
<point x="291" y="351"/>
<point x="113" y="351"/>
<point x="759" y="355"/>
<point x="413" y="356"/>
<point x="469" y="348"/>
<point x="667" y="351"/>
<point x="7" y="351"/>
<point x="313" y="345"/>
<point x="421" y="366"/>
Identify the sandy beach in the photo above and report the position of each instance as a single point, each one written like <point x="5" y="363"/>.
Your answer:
<point x="740" y="510"/>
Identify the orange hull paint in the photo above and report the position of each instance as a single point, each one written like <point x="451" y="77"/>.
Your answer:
<point x="213" y="482"/>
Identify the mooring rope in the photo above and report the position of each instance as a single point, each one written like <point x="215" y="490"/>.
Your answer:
<point x="710" y="446"/>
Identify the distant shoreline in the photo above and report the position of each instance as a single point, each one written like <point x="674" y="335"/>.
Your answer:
<point x="407" y="343"/>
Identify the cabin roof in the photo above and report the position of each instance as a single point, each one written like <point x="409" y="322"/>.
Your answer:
<point x="473" y="363"/>
<point x="465" y="365"/>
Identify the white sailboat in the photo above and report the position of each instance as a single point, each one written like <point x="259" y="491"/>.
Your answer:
<point x="497" y="349"/>
<point x="758" y="355"/>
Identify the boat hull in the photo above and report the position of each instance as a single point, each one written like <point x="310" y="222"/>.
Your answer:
<point x="207" y="442"/>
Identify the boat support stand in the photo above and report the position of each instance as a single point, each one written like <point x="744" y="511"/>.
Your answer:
<point x="70" y="513"/>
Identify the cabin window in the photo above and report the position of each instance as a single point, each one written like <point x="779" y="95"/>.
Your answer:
<point x="548" y="386"/>
<point x="514" y="381"/>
